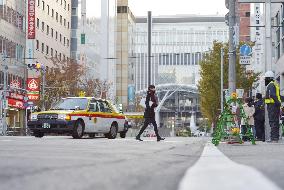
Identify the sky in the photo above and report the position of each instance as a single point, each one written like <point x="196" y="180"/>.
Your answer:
<point x="167" y="7"/>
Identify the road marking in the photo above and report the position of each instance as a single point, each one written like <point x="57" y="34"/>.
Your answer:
<point x="215" y="171"/>
<point x="6" y="140"/>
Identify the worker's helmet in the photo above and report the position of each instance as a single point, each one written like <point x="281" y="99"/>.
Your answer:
<point x="269" y="74"/>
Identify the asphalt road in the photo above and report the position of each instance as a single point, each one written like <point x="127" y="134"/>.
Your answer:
<point x="28" y="163"/>
<point x="268" y="158"/>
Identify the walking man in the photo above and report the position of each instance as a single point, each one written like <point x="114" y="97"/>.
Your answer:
<point x="273" y="101"/>
<point x="259" y="117"/>
<point x="149" y="114"/>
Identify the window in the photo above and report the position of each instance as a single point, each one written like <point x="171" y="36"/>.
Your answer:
<point x="52" y="13"/>
<point x="56" y="16"/>
<point x="37" y="45"/>
<point x="38" y="3"/>
<point x="68" y="25"/>
<point x="51" y="52"/>
<point x="60" y="38"/>
<point x="47" y="50"/>
<point x="37" y="23"/>
<point x="68" y="7"/>
<point x="122" y="9"/>
<point x="60" y="19"/>
<point x="74" y="11"/>
<point x="56" y="35"/>
<point x="64" y="40"/>
<point x="43" y="5"/>
<point x="247" y="14"/>
<point x="42" y="47"/>
<point x="55" y="53"/>
<point x="65" y="4"/>
<point x="257" y="21"/>
<point x="67" y="43"/>
<point x="59" y="56"/>
<point x="52" y="32"/>
<point x="42" y="26"/>
<point x="64" y="22"/>
<point x="47" y="9"/>
<point x="60" y="2"/>
<point x="47" y="30"/>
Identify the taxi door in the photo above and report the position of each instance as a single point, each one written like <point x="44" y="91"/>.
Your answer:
<point x="92" y="121"/>
<point x="106" y="117"/>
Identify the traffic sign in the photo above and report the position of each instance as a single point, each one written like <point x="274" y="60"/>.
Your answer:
<point x="245" y="50"/>
<point x="245" y="54"/>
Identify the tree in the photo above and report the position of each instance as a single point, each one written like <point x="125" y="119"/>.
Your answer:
<point x="209" y="85"/>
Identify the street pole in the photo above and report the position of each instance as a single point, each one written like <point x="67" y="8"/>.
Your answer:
<point x="149" y="45"/>
<point x="43" y="89"/>
<point x="268" y="58"/>
<point x="222" y="79"/>
<point x="232" y="48"/>
<point x="4" y="121"/>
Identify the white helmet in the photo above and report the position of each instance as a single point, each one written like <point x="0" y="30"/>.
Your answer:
<point x="269" y="74"/>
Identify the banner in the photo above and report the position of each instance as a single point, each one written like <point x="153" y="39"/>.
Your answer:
<point x="16" y="103"/>
<point x="31" y="19"/>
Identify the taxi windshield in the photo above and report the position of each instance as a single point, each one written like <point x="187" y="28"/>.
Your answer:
<point x="71" y="104"/>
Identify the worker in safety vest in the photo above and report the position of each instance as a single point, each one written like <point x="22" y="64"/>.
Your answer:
<point x="273" y="100"/>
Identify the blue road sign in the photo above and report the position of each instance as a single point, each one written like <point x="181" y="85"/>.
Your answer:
<point x="245" y="50"/>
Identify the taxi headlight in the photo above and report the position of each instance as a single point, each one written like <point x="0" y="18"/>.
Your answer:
<point x="67" y="117"/>
<point x="64" y="117"/>
<point x="33" y="117"/>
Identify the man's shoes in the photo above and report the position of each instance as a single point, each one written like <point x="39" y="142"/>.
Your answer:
<point x="138" y="138"/>
<point x="160" y="139"/>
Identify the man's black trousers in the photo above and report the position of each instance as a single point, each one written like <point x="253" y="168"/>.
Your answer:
<point x="146" y="123"/>
<point x="273" y="115"/>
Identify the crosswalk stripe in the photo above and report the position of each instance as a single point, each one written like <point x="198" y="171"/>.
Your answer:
<point x="215" y="171"/>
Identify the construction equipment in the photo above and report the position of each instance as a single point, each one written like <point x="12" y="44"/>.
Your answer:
<point x="227" y="126"/>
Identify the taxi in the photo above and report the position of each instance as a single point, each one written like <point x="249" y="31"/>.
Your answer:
<point x="79" y="116"/>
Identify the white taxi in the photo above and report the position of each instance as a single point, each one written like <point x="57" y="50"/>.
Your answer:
<point x="79" y="116"/>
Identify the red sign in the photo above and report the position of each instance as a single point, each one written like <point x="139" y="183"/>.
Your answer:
<point x="16" y="103"/>
<point x="15" y="84"/>
<point x="16" y="96"/>
<point x="33" y="84"/>
<point x="33" y="97"/>
<point x="31" y="19"/>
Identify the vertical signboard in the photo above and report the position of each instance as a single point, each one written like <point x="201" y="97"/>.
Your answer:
<point x="31" y="19"/>
<point x="33" y="87"/>
<point x="131" y="94"/>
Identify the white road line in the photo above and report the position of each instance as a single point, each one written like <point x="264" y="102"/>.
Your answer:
<point x="214" y="171"/>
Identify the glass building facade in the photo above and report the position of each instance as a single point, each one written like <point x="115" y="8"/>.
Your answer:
<point x="178" y="46"/>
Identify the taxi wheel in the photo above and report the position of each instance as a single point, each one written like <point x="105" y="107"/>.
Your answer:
<point x="112" y="132"/>
<point x="78" y="130"/>
<point x="38" y="134"/>
<point x="92" y="135"/>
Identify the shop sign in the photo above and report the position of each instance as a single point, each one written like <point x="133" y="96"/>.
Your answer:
<point x="31" y="19"/>
<point x="33" y="84"/>
<point x="16" y="96"/>
<point x="16" y="103"/>
<point x="33" y="97"/>
<point x="15" y="84"/>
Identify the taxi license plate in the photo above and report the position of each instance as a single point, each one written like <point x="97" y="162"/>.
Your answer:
<point x="46" y="126"/>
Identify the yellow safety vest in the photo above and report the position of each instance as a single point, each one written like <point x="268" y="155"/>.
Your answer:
<point x="277" y="88"/>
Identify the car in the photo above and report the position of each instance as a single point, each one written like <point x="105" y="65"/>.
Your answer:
<point x="79" y="116"/>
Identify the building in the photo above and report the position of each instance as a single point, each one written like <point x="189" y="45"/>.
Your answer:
<point x="125" y="55"/>
<point x="74" y="29"/>
<point x="257" y="36"/>
<point x="52" y="35"/>
<point x="178" y="45"/>
<point x="277" y="15"/>
<point x="12" y="45"/>
<point x="243" y="21"/>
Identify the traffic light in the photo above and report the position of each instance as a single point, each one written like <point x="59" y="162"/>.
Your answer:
<point x="38" y="65"/>
<point x="32" y="66"/>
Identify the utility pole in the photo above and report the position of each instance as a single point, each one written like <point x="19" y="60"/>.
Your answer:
<point x="222" y="79"/>
<point x="4" y="100"/>
<point x="43" y="88"/>
<point x="232" y="47"/>
<point x="149" y="46"/>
